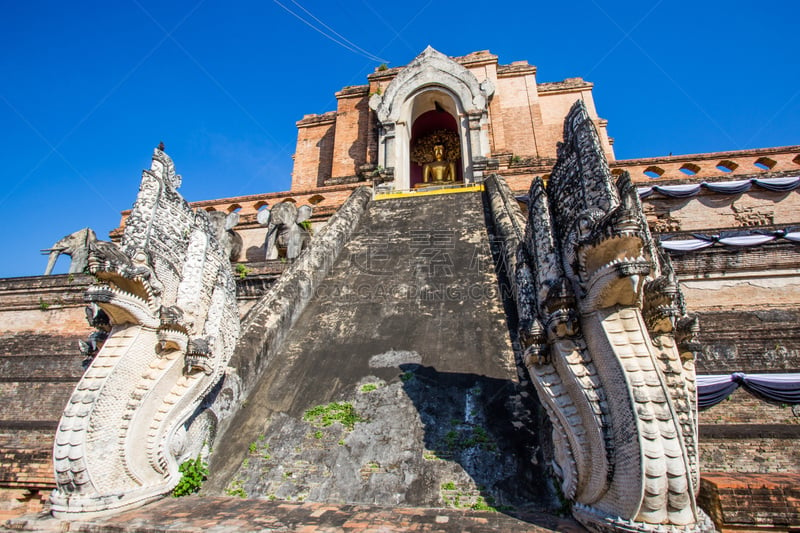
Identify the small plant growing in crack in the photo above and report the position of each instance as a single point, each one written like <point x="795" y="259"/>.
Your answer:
<point x="236" y="488"/>
<point x="193" y="473"/>
<point x="326" y="415"/>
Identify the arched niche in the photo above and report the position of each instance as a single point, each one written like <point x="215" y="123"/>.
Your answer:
<point x="430" y="79"/>
<point x="432" y="111"/>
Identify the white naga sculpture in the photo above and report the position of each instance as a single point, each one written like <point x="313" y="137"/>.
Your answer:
<point x="152" y="394"/>
<point x="600" y="310"/>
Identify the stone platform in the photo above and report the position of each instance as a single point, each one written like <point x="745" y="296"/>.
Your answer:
<point x="194" y="514"/>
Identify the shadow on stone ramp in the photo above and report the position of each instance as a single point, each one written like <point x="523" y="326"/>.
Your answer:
<point x="488" y="426"/>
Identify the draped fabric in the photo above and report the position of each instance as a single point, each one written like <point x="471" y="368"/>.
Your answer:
<point x="741" y="238"/>
<point x="686" y="245"/>
<point x="778" y="184"/>
<point x="730" y="187"/>
<point x="725" y="187"/>
<point x="713" y="389"/>
<point x="737" y="238"/>
<point x="782" y="388"/>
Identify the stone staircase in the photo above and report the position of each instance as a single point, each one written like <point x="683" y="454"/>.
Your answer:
<point x="397" y="385"/>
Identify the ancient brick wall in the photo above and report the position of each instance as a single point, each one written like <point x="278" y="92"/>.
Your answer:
<point x="354" y="119"/>
<point x="314" y="152"/>
<point x="717" y="166"/>
<point x="747" y="434"/>
<point x="751" y="502"/>
<point x="744" y="408"/>
<point x="709" y="210"/>
<point x="519" y="113"/>
<point x="737" y="290"/>
<point x="555" y="99"/>
<point x="760" y="455"/>
<point x="760" y="340"/>
<point x="41" y="321"/>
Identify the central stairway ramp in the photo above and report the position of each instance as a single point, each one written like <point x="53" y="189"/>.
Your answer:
<point x="396" y="385"/>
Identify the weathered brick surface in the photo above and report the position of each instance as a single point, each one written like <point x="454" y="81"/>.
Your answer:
<point x="27" y="467"/>
<point x="517" y="95"/>
<point x="739" y="502"/>
<point x="776" y="255"/>
<point x="29" y="343"/>
<point x="194" y="514"/>
<point x="744" y="161"/>
<point x="21" y="368"/>
<point x="15" y="502"/>
<point x="26" y="455"/>
<point x="31" y="438"/>
<point x="742" y="454"/>
<point x="354" y="118"/>
<point x="711" y="212"/>
<point x="41" y="321"/>
<point x="771" y="342"/>
<point x="313" y="155"/>
<point x="34" y="401"/>
<point x="48" y="309"/>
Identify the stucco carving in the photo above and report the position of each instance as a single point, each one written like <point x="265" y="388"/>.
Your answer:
<point x="285" y="234"/>
<point x="98" y="319"/>
<point x="752" y="216"/>
<point x="76" y="246"/>
<point x="601" y="316"/>
<point x="229" y="240"/>
<point x="146" y="401"/>
<point x="466" y="100"/>
<point x="431" y="67"/>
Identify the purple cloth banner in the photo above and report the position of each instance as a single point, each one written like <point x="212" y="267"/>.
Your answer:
<point x="780" y="388"/>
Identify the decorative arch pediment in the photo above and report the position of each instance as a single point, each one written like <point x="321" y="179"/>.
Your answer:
<point x="431" y="68"/>
<point x="432" y="81"/>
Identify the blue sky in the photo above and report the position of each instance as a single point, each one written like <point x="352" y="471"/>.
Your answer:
<point x="89" y="88"/>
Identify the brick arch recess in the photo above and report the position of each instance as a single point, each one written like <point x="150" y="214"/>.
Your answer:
<point x="426" y="123"/>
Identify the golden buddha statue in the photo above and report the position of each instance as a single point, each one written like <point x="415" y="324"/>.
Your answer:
<point x="439" y="170"/>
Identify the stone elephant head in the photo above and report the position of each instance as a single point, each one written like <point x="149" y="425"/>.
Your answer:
<point x="229" y="240"/>
<point x="76" y="245"/>
<point x="285" y="236"/>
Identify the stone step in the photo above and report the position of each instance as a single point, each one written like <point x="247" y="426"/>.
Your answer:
<point x="194" y="514"/>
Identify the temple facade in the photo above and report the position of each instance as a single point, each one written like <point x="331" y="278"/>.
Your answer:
<point x="492" y="111"/>
<point x="465" y="134"/>
<point x="492" y="118"/>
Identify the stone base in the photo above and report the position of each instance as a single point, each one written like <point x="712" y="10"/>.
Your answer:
<point x="438" y="184"/>
<point x="751" y="502"/>
<point x="194" y="513"/>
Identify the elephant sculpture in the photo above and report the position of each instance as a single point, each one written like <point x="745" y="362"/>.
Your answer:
<point x="229" y="240"/>
<point x="286" y="237"/>
<point x="76" y="245"/>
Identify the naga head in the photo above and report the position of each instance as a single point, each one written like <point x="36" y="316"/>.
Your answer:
<point x="598" y="222"/>
<point x="608" y="346"/>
